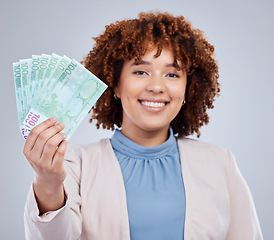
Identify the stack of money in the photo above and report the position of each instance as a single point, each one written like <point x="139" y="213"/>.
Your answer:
<point x="54" y="86"/>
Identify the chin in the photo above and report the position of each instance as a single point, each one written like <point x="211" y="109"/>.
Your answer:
<point x="155" y="127"/>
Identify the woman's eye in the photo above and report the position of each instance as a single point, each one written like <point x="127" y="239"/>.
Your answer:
<point x="172" y="75"/>
<point x="140" y="72"/>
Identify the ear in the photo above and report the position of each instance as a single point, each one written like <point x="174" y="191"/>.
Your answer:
<point x="117" y="91"/>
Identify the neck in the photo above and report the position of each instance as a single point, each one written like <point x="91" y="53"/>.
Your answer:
<point x="147" y="138"/>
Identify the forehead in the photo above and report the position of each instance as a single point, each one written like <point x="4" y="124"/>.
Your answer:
<point x="156" y="54"/>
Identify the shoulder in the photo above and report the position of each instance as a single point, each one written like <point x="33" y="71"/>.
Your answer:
<point x="198" y="154"/>
<point x="81" y="151"/>
<point x="200" y="147"/>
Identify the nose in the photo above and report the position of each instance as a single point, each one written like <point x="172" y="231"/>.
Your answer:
<point x="156" y="84"/>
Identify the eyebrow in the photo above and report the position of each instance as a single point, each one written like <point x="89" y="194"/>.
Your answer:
<point x="149" y="63"/>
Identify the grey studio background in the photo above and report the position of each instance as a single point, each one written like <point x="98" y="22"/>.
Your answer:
<point x="243" y="34"/>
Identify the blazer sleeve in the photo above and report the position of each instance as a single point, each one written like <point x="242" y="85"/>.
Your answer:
<point x="244" y="224"/>
<point x="65" y="223"/>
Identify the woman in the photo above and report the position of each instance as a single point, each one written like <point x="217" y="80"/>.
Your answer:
<point x="148" y="181"/>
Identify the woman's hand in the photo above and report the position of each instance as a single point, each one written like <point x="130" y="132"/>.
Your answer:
<point x="45" y="150"/>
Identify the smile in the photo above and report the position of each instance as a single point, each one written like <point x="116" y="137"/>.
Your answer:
<point x="153" y="104"/>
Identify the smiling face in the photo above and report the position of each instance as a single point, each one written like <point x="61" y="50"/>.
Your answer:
<point x="151" y="93"/>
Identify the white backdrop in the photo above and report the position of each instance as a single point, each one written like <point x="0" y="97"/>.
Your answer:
<point x="243" y="34"/>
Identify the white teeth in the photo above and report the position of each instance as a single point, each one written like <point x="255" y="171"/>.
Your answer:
<point x="153" y="104"/>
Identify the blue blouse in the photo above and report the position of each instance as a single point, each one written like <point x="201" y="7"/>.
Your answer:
<point x="154" y="188"/>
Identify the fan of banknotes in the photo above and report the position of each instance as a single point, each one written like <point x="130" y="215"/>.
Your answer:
<point x="51" y="85"/>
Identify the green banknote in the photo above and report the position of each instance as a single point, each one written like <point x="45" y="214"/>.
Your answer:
<point x="64" y="89"/>
<point x="44" y="61"/>
<point x="54" y="62"/>
<point x="34" y="68"/>
<point x="25" y="79"/>
<point x="18" y="93"/>
<point x="50" y="83"/>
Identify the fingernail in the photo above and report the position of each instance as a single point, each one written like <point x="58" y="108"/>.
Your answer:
<point x="64" y="135"/>
<point x="61" y="124"/>
<point x="53" y="119"/>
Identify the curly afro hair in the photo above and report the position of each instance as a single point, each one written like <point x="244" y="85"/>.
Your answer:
<point x="128" y="39"/>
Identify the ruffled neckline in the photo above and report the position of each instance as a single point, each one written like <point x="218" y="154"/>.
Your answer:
<point x="131" y="149"/>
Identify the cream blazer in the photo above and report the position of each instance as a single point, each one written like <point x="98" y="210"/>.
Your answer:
<point x="219" y="204"/>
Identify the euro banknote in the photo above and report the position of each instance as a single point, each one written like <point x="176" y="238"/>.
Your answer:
<point x="54" y="86"/>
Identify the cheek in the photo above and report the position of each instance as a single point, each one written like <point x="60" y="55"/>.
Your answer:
<point x="130" y="88"/>
<point x="177" y="91"/>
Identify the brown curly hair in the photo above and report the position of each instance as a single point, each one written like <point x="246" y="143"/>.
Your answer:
<point x="125" y="40"/>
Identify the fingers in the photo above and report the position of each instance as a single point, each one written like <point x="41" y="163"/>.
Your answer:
<point x="48" y="137"/>
<point x="43" y="141"/>
<point x="50" y="147"/>
<point x="34" y="133"/>
<point x="58" y="158"/>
